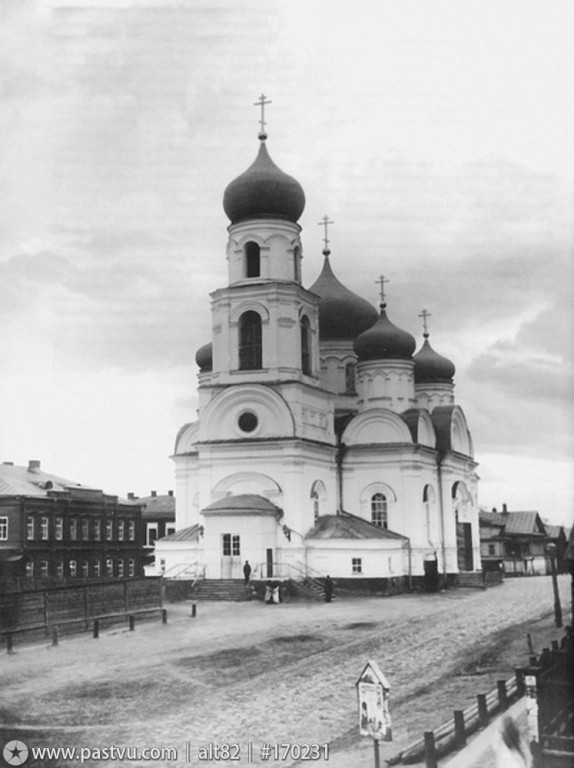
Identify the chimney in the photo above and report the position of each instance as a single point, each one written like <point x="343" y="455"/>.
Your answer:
<point x="153" y="494"/>
<point x="33" y="465"/>
<point x="131" y="495"/>
<point x="170" y="493"/>
<point x="504" y="509"/>
<point x="494" y="509"/>
<point x="8" y="463"/>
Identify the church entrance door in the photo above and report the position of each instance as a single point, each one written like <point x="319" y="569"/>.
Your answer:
<point x="464" y="546"/>
<point x="231" y="556"/>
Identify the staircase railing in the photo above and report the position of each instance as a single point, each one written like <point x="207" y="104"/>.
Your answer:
<point x="194" y="570"/>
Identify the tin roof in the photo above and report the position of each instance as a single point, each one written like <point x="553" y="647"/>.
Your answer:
<point x="347" y="526"/>
<point x="249" y="503"/>
<point x="32" y="481"/>
<point x="185" y="534"/>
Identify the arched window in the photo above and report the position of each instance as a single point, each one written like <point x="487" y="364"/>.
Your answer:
<point x="250" y="353"/>
<point x="350" y="386"/>
<point x="252" y="260"/>
<point x="306" y="345"/>
<point x="315" y="500"/>
<point x="428" y="502"/>
<point x="379" y="510"/>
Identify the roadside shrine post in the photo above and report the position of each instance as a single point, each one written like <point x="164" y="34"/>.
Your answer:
<point x="373" y="690"/>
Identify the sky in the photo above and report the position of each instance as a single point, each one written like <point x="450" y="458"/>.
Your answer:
<point x="437" y="134"/>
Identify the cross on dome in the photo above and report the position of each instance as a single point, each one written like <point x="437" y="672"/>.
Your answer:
<point x="425" y="314"/>
<point x="261" y="102"/>
<point x="381" y="281"/>
<point x="325" y="221"/>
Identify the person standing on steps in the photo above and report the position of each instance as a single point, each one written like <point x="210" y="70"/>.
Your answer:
<point x="246" y="572"/>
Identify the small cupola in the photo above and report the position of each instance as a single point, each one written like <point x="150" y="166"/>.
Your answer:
<point x="384" y="340"/>
<point x="263" y="191"/>
<point x="430" y="367"/>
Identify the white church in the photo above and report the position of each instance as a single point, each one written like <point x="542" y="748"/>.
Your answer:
<point x="323" y="443"/>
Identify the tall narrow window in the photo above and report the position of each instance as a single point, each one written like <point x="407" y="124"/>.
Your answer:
<point x="306" y="345"/>
<point x="131" y="530"/>
<point x="30" y="527"/>
<point x="379" y="510"/>
<point x="85" y="569"/>
<point x="350" y="385"/>
<point x="109" y="567"/>
<point x="85" y="528"/>
<point x="297" y="264"/>
<point x="121" y="569"/>
<point x="44" y="528"/>
<point x="252" y="260"/>
<point x="315" y="500"/>
<point x="73" y="568"/>
<point x="73" y="529"/>
<point x="121" y="530"/>
<point x="131" y="567"/>
<point x="59" y="529"/>
<point x="3" y="528"/>
<point x="109" y="530"/>
<point x="97" y="530"/>
<point x="44" y="569"/>
<point x="250" y="354"/>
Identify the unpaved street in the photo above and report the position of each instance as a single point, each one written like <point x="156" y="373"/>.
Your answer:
<point x="249" y="672"/>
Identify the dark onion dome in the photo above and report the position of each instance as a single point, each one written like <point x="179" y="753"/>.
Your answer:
<point x="384" y="341"/>
<point x="432" y="367"/>
<point x="263" y="191"/>
<point x="204" y="357"/>
<point x="342" y="314"/>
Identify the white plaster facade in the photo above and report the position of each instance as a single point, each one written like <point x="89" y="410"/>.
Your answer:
<point x="317" y="433"/>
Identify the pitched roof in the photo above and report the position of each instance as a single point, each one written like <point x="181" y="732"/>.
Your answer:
<point x="158" y="506"/>
<point x="347" y="526"/>
<point x="185" y="534"/>
<point x="491" y="518"/>
<point x="32" y="481"/>
<point x="554" y="531"/>
<point x="523" y="523"/>
<point x="249" y="503"/>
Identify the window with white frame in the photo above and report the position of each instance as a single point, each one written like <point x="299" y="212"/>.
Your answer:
<point x="357" y="565"/>
<point x="131" y="567"/>
<point x="109" y="530"/>
<point x="29" y="569"/>
<point x="131" y="530"/>
<point x="85" y="528"/>
<point x="109" y="567"/>
<point x="60" y="569"/>
<point x="29" y="527"/>
<point x="169" y="529"/>
<point x="85" y="569"/>
<point x="151" y="533"/>
<point x="379" y="510"/>
<point x="73" y="568"/>
<point x="73" y="529"/>
<point x="97" y="530"/>
<point x="121" y="569"/>
<point x="44" y="528"/>
<point x="315" y="500"/>
<point x="59" y="529"/>
<point x="3" y="528"/>
<point x="121" y="530"/>
<point x="97" y="568"/>
<point x="44" y="569"/>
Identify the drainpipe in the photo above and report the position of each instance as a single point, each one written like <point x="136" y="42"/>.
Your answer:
<point x="441" y="510"/>
<point x="410" y="561"/>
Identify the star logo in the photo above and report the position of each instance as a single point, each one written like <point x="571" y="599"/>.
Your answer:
<point x="15" y="753"/>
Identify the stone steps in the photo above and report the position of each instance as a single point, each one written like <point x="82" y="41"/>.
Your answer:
<point x="222" y="589"/>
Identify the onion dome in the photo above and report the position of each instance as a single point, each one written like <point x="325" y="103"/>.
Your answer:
<point x="342" y="314"/>
<point x="204" y="357"/>
<point x="384" y="341"/>
<point x="432" y="367"/>
<point x="263" y="191"/>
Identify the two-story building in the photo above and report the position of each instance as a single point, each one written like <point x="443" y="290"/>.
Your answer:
<point x="52" y="529"/>
<point x="514" y="541"/>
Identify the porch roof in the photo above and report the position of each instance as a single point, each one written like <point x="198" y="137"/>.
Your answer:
<point x="347" y="526"/>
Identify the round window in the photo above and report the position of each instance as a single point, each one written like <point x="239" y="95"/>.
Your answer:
<point x="247" y="422"/>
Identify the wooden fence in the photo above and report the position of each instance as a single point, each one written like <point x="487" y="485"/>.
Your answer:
<point x="75" y="607"/>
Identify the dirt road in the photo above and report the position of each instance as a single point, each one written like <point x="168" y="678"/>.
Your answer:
<point x="249" y="672"/>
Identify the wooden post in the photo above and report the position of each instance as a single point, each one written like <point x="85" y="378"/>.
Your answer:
<point x="96" y="628"/>
<point x="377" y="756"/>
<point x="132" y="619"/>
<point x="502" y="695"/>
<point x="86" y="606"/>
<point x="55" y="635"/>
<point x="193" y="610"/>
<point x="125" y="585"/>
<point x="530" y="646"/>
<point x="9" y="644"/>
<point x="164" y="615"/>
<point x="555" y="645"/>
<point x="482" y="710"/>
<point x="520" y="687"/>
<point x="459" y="728"/>
<point x="430" y="750"/>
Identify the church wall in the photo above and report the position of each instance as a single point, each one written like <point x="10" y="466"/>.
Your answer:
<point x="186" y="488"/>
<point x="386" y="384"/>
<point x="358" y="558"/>
<point x="278" y="241"/>
<point x="256" y="534"/>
